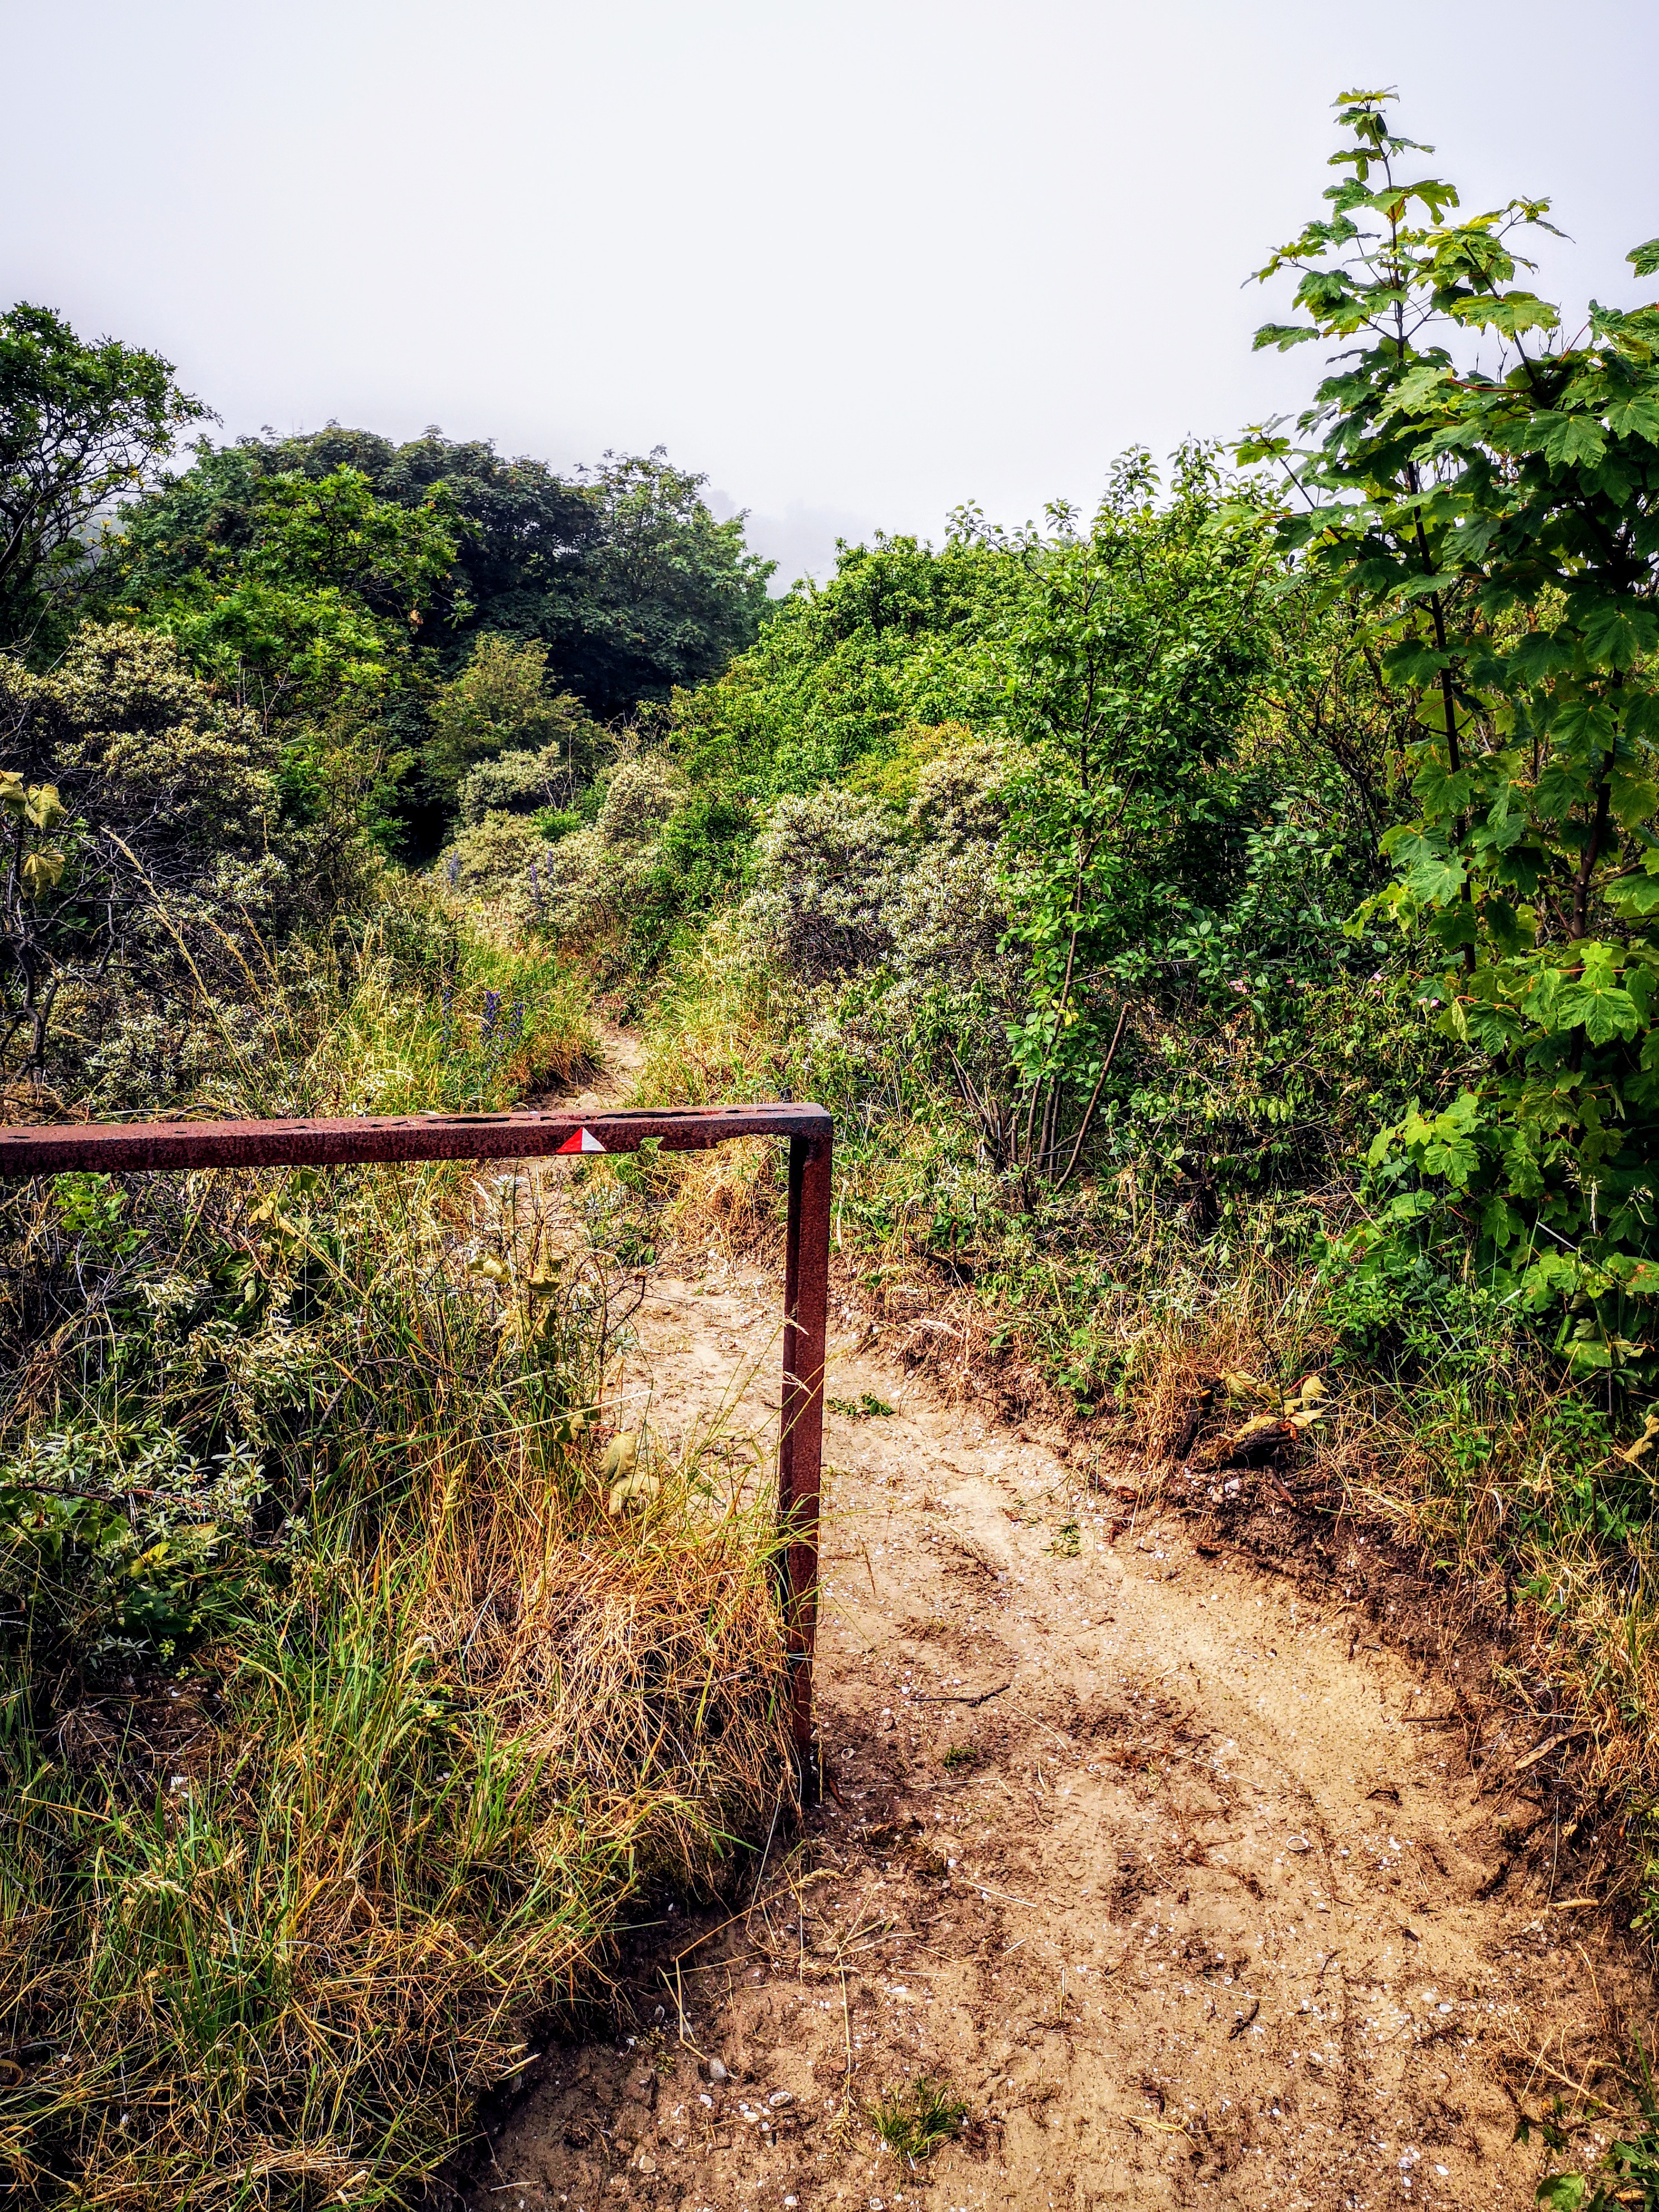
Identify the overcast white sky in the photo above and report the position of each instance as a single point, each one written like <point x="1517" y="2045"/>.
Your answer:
<point x="858" y="262"/>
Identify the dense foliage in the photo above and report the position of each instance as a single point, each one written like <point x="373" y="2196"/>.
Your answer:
<point x="1227" y="919"/>
<point x="891" y="643"/>
<point x="339" y="580"/>
<point x="1496" y="516"/>
<point x="1038" y="804"/>
<point x="621" y="571"/>
<point x="271" y="1448"/>
<point x="81" y="426"/>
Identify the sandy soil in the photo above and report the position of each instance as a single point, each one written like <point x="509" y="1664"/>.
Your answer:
<point x="1165" y="1870"/>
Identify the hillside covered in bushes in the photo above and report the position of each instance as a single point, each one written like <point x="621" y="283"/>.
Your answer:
<point x="1223" y="925"/>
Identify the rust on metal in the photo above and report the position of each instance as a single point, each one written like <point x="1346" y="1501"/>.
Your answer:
<point x="143" y="1147"/>
<point x="800" y="1437"/>
<point x="137" y="1147"/>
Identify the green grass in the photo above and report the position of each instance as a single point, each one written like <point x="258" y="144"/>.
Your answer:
<point x="866" y="1406"/>
<point x="917" y="2119"/>
<point x="439" y="1012"/>
<point x="283" y="1961"/>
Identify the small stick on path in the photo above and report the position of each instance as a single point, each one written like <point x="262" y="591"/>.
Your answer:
<point x="959" y="1697"/>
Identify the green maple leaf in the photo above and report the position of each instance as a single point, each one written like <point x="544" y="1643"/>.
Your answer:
<point x="1439" y="791"/>
<point x="1633" y="792"/>
<point x="1416" y="390"/>
<point x="1512" y="313"/>
<point x="1605" y="1011"/>
<point x="1414" y="660"/>
<point x="1635" y="898"/>
<point x="1636" y="416"/>
<point x="1446" y="1142"/>
<point x="1582" y="720"/>
<point x="1283" y="335"/>
<point x="1617" y="632"/>
<point x="1454" y="1158"/>
<point x="1430" y="870"/>
<point x="1543" y="653"/>
<point x="1560" y="788"/>
<point x="1565" y="440"/>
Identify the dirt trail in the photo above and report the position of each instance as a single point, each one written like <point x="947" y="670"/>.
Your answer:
<point x="1167" y="1870"/>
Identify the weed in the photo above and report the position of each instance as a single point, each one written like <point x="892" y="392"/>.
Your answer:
<point x="1630" y="2168"/>
<point x="959" y="1758"/>
<point x="864" y="1407"/>
<point x="915" y="2119"/>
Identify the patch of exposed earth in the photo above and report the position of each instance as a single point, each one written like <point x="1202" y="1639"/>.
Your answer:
<point x="1166" y="1869"/>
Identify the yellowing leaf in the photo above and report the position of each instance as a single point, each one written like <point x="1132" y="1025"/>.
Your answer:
<point x="632" y="1490"/>
<point x="1237" y="1384"/>
<point x="621" y="1455"/>
<point x="42" y="872"/>
<point x="1638" y="1451"/>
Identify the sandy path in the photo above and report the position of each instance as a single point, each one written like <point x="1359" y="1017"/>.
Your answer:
<point x="1165" y="1870"/>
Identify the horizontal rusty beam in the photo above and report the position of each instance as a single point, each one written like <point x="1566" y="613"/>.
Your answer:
<point x="141" y="1147"/>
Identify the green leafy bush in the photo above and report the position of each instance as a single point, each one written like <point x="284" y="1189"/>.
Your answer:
<point x="1485" y="487"/>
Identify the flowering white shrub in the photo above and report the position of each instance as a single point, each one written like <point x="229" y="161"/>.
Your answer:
<point x="169" y="870"/>
<point x="501" y="862"/>
<point x="829" y="871"/>
<point x="644" y="790"/>
<point x="576" y="883"/>
<point x="891" y="922"/>
<point x="844" y="884"/>
<point x="962" y="797"/>
<point x="516" y="783"/>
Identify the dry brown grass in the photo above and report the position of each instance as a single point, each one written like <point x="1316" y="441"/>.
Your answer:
<point x="283" y="1970"/>
<point x="640" y="1654"/>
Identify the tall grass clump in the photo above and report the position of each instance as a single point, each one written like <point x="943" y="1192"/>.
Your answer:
<point x="338" y="1717"/>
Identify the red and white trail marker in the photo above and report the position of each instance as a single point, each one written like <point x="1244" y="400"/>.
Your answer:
<point x="583" y="1141"/>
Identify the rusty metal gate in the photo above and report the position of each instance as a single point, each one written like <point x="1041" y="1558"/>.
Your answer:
<point x="140" y="1147"/>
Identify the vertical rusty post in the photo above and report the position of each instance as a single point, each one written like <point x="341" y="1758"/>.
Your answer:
<point x="800" y="1442"/>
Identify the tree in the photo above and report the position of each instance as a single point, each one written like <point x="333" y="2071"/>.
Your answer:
<point x="621" y="571"/>
<point x="893" y="641"/>
<point x="660" y="595"/>
<point x="1127" y="678"/>
<point x="500" y="705"/>
<point x="325" y="594"/>
<point x="139" y="849"/>
<point x="80" y="426"/>
<point x="1485" y="489"/>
